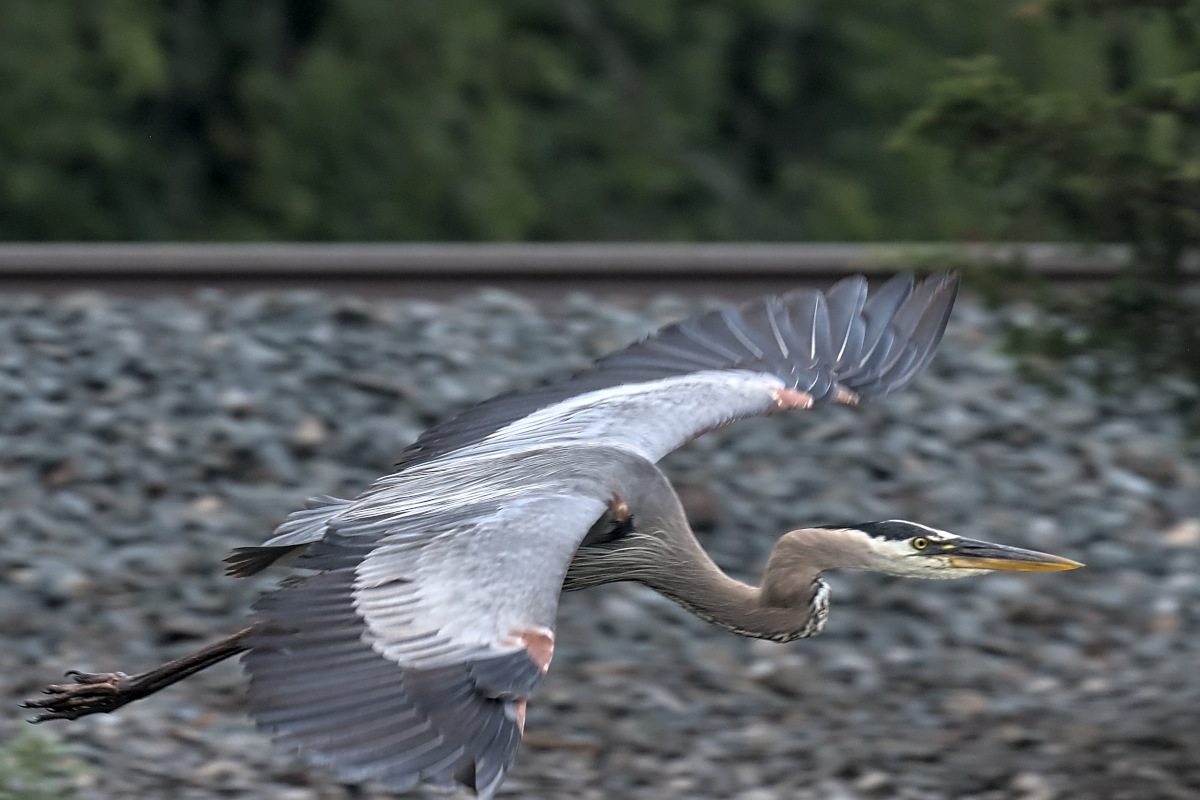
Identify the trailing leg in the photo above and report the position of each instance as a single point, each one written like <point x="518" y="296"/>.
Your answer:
<point x="102" y="692"/>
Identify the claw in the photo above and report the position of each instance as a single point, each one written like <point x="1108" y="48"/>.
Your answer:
<point x="92" y="693"/>
<point x="92" y="678"/>
<point x="102" y="692"/>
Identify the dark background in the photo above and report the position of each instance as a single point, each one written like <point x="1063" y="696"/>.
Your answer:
<point x="475" y="120"/>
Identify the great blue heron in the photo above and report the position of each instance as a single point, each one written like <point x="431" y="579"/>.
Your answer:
<point x="410" y="651"/>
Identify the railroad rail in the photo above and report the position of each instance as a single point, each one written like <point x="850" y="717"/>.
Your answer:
<point x="730" y="269"/>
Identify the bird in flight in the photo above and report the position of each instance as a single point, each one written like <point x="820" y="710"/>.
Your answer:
<point x="424" y="619"/>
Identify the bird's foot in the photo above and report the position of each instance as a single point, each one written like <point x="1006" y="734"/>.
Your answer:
<point x="101" y="692"/>
<point x="92" y="693"/>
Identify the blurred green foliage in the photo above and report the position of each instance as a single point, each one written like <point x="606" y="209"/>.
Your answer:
<point x="1112" y="161"/>
<point x="35" y="768"/>
<point x="475" y="120"/>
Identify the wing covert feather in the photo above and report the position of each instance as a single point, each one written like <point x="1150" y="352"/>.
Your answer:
<point x="868" y="344"/>
<point x="411" y="653"/>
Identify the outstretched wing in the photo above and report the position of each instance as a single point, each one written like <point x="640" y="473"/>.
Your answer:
<point x="706" y="371"/>
<point x="720" y="366"/>
<point x="410" y="655"/>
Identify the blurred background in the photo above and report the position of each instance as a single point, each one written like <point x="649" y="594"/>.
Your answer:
<point x="143" y="434"/>
<point x="466" y="120"/>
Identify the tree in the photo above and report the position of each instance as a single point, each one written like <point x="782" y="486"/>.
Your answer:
<point x="1113" y="160"/>
<point x="1121" y="164"/>
<point x="466" y="119"/>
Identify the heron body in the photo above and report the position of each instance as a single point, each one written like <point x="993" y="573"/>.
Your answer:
<point x="409" y="653"/>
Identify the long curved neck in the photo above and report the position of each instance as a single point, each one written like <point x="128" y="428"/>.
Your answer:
<point x="792" y="603"/>
<point x="661" y="552"/>
<point x="779" y="610"/>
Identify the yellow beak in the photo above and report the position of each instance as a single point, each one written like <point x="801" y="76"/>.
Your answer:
<point x="973" y="554"/>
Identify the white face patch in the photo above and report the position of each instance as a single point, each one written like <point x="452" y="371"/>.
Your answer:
<point x="899" y="557"/>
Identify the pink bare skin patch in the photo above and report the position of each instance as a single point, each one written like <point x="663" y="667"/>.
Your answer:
<point x="792" y="398"/>
<point x="845" y="396"/>
<point x="619" y="509"/>
<point x="539" y="644"/>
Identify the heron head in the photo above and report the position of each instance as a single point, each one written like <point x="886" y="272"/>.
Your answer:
<point x="907" y="549"/>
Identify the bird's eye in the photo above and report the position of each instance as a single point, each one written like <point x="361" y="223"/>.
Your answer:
<point x="920" y="543"/>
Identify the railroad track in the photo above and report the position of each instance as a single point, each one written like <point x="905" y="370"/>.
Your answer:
<point x="435" y="269"/>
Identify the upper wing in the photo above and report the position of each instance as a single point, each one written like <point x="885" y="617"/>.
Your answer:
<point x="410" y="655"/>
<point x="688" y="378"/>
<point x="719" y="366"/>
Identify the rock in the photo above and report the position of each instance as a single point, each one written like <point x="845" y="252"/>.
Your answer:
<point x="1185" y="533"/>
<point x="142" y="439"/>
<point x="309" y="432"/>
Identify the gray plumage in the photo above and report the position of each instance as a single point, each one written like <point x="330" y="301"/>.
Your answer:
<point x="409" y="653"/>
<point x="403" y="659"/>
